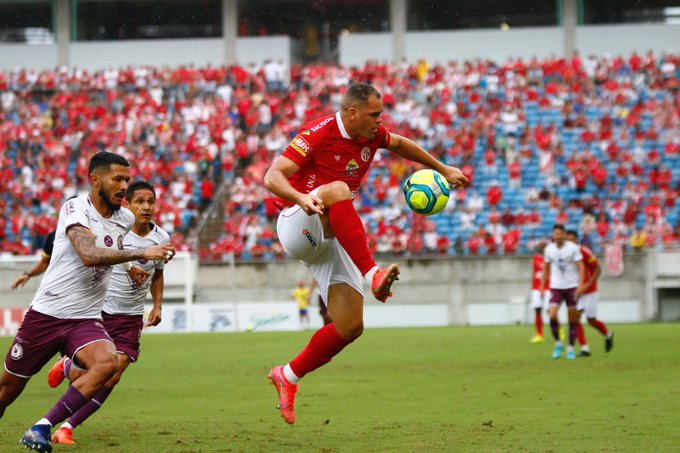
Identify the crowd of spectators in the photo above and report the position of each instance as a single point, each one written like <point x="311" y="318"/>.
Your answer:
<point x="591" y="142"/>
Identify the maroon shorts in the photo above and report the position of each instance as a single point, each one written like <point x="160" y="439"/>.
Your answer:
<point x="558" y="295"/>
<point x="41" y="336"/>
<point x="125" y="331"/>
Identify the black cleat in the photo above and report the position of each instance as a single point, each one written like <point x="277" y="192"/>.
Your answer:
<point x="584" y="354"/>
<point x="37" y="438"/>
<point x="609" y="341"/>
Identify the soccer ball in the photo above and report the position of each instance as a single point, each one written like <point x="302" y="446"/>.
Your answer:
<point x="426" y="192"/>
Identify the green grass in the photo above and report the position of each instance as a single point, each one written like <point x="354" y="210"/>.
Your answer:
<point x="394" y="390"/>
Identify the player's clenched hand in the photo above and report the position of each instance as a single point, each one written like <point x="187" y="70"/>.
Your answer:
<point x="163" y="252"/>
<point x="455" y="176"/>
<point x="138" y="275"/>
<point x="311" y="204"/>
<point x="154" y="317"/>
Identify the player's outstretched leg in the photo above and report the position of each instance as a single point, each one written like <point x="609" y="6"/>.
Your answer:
<point x="37" y="438"/>
<point x="286" y="392"/>
<point x="382" y="282"/>
<point x="59" y="371"/>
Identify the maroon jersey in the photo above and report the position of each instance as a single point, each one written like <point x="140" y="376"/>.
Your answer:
<point x="325" y="153"/>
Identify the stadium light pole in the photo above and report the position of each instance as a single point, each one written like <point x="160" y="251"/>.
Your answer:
<point x="569" y="20"/>
<point x="229" y="30"/>
<point x="63" y="32"/>
<point x="398" y="28"/>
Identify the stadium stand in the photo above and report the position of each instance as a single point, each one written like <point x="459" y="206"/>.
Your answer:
<point x="591" y="142"/>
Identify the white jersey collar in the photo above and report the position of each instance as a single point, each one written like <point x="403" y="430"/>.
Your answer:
<point x="341" y="126"/>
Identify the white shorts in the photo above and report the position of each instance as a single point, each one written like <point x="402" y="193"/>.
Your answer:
<point x="301" y="236"/>
<point x="588" y="304"/>
<point x="536" y="301"/>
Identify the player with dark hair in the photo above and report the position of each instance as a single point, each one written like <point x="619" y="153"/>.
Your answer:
<point x="65" y="315"/>
<point x="563" y="267"/>
<point x="41" y="266"/>
<point x="587" y="303"/>
<point x="123" y="311"/>
<point x="316" y="178"/>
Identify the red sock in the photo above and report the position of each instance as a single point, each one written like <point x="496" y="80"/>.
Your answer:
<point x="539" y="323"/>
<point x="580" y="334"/>
<point x="599" y="325"/>
<point x="349" y="231"/>
<point x="323" y="346"/>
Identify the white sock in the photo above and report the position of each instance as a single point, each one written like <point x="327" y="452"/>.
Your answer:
<point x="609" y="334"/>
<point x="368" y="276"/>
<point x="570" y="348"/>
<point x="558" y="343"/>
<point x="44" y="421"/>
<point x="289" y="375"/>
<point x="585" y="347"/>
<point x="66" y="425"/>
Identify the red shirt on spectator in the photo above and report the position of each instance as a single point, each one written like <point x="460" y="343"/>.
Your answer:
<point x="494" y="195"/>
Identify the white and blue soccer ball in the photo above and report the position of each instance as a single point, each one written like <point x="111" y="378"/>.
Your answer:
<point x="426" y="192"/>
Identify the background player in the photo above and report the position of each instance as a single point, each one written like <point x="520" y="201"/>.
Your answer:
<point x="301" y="295"/>
<point x="317" y="177"/>
<point x="539" y="300"/>
<point x="65" y="315"/>
<point x="41" y="266"/>
<point x="588" y="301"/>
<point x="564" y="267"/>
<point x="123" y="306"/>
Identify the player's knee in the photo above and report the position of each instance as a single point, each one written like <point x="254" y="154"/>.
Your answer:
<point x="105" y="366"/>
<point x="353" y="330"/>
<point x="334" y="192"/>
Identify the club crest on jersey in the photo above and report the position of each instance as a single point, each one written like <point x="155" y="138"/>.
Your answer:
<point x="120" y="242"/>
<point x="108" y="240"/>
<point x="300" y="145"/>
<point x="365" y="153"/>
<point x="351" y="168"/>
<point x="337" y="158"/>
<point x="17" y="352"/>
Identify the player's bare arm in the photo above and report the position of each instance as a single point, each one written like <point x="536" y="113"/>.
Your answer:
<point x="408" y="149"/>
<point x="37" y="270"/>
<point x="276" y="181"/>
<point x="581" y="274"/>
<point x="157" y="283"/>
<point x="83" y="241"/>
<point x="544" y="278"/>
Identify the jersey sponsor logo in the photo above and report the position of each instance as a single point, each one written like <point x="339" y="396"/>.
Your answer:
<point x="309" y="237"/>
<point x="17" y="352"/>
<point x="365" y="153"/>
<point x="120" y="242"/>
<point x="70" y="208"/>
<point x="108" y="240"/>
<point x="98" y="274"/>
<point x="300" y="145"/>
<point x="321" y="124"/>
<point x="351" y="168"/>
<point x="337" y="158"/>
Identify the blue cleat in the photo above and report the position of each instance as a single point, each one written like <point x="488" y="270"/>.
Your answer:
<point x="37" y="438"/>
<point x="571" y="355"/>
<point x="557" y="352"/>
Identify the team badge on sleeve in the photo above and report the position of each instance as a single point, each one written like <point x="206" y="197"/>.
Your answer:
<point x="300" y="145"/>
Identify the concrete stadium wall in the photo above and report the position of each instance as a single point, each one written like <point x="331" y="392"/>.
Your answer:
<point x="97" y="55"/>
<point x="444" y="46"/>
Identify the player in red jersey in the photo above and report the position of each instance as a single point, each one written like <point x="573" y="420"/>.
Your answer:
<point x="316" y="178"/>
<point x="588" y="301"/>
<point x="538" y="303"/>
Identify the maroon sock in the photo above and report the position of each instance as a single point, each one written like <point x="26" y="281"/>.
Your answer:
<point x="349" y="231"/>
<point x="90" y="407"/>
<point x="322" y="347"/>
<point x="66" y="406"/>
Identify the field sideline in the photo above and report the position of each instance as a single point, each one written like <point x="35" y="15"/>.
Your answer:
<point x="465" y="389"/>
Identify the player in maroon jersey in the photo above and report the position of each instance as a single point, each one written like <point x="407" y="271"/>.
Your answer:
<point x="588" y="301"/>
<point x="316" y="178"/>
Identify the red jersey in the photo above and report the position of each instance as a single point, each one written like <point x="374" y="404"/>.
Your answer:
<point x="538" y="272"/>
<point x="590" y="265"/>
<point x="325" y="153"/>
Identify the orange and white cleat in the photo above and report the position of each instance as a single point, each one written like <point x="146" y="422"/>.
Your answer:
<point x="286" y="392"/>
<point x="382" y="282"/>
<point x="63" y="436"/>
<point x="56" y="374"/>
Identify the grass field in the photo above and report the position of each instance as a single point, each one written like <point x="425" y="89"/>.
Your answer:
<point x="395" y="390"/>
